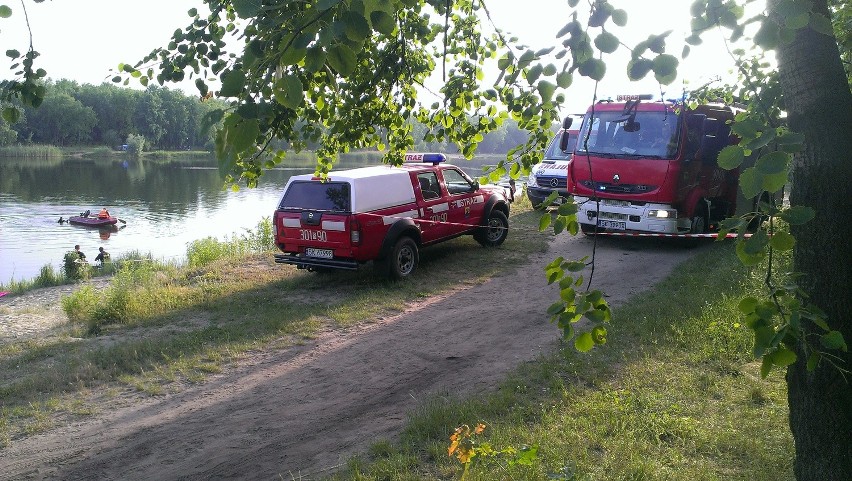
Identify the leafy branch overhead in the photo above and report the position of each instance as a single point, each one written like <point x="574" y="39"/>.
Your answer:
<point x="354" y="74"/>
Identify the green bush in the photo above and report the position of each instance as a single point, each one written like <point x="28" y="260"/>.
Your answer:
<point x="76" y="268"/>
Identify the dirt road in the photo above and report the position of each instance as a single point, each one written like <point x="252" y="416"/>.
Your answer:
<point x="304" y="410"/>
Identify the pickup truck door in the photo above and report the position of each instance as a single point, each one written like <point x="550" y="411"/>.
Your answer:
<point x="466" y="203"/>
<point x="434" y="206"/>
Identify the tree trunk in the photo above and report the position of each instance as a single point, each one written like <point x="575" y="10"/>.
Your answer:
<point x="819" y="104"/>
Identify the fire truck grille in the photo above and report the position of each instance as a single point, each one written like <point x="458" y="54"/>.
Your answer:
<point x="620" y="188"/>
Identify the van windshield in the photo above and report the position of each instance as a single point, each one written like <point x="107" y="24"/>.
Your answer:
<point x="553" y="151"/>
<point x="645" y="135"/>
<point x="315" y="195"/>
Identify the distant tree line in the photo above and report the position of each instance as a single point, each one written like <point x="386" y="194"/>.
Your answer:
<point x="74" y="114"/>
<point x="158" y="118"/>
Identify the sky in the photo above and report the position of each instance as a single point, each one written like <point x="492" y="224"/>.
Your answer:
<point x="83" y="40"/>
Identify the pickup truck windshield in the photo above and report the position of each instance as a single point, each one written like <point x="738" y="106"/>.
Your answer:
<point x="645" y="135"/>
<point x="316" y="195"/>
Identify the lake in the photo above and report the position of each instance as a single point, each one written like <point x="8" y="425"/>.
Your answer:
<point x="165" y="206"/>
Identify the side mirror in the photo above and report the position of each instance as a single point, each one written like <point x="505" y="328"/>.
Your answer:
<point x="566" y="123"/>
<point x="475" y="185"/>
<point x="563" y="141"/>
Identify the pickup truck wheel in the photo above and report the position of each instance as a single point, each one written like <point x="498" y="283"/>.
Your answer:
<point x="403" y="258"/>
<point x="494" y="232"/>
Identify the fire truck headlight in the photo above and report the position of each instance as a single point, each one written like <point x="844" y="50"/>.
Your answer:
<point x="663" y="214"/>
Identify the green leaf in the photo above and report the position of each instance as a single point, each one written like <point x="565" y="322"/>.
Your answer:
<point x="5" y="11"/>
<point x="798" y="215"/>
<point x="769" y="34"/>
<point x="246" y="8"/>
<point x="747" y="305"/>
<point x="568" y="208"/>
<point x="821" y="24"/>
<point x="731" y="157"/>
<point x="773" y="163"/>
<point x="314" y="59"/>
<point x="383" y="22"/>
<point x="546" y="90"/>
<point x="665" y="68"/>
<point x="598" y="333"/>
<point x="783" y="357"/>
<point x="638" y="68"/>
<point x="813" y="361"/>
<point x="619" y="17"/>
<point x="765" y="367"/>
<point x="13" y="53"/>
<point x="748" y="258"/>
<point x="834" y="340"/>
<point x="556" y="308"/>
<point x="593" y="68"/>
<point x="233" y="83"/>
<point x="606" y="42"/>
<point x="11" y="115"/>
<point x="534" y="73"/>
<point x="773" y="183"/>
<point x="782" y="241"/>
<point x="564" y="79"/>
<point x="289" y="91"/>
<point x="357" y="28"/>
<point x="342" y="59"/>
<point x="751" y="183"/>
<point x="323" y="5"/>
<point x="797" y="21"/>
<point x="544" y="222"/>
<point x="584" y="342"/>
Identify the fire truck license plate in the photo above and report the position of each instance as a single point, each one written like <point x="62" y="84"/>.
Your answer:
<point x="611" y="224"/>
<point x="323" y="253"/>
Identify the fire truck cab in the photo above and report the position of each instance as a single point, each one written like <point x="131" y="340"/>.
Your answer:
<point x="651" y="166"/>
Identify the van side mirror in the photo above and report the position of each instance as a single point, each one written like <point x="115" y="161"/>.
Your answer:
<point x="563" y="141"/>
<point x="566" y="123"/>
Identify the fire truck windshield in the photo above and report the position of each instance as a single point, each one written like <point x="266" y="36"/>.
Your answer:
<point x="639" y="135"/>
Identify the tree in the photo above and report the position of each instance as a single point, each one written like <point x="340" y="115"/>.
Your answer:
<point x="819" y="105"/>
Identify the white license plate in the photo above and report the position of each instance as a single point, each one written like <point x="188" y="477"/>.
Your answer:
<point x="612" y="224"/>
<point x="322" y="253"/>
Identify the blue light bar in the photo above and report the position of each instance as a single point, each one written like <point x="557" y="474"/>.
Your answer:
<point x="433" y="159"/>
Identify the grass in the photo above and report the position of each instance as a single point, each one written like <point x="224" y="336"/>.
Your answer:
<point x="674" y="395"/>
<point x="31" y="152"/>
<point x="159" y="327"/>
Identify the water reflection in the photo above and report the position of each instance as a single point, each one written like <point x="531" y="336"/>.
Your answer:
<point x="165" y="207"/>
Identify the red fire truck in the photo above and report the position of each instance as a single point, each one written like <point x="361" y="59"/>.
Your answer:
<point x="651" y="166"/>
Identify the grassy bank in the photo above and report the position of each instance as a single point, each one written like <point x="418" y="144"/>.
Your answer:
<point x="158" y="327"/>
<point x="31" y="152"/>
<point x="674" y="395"/>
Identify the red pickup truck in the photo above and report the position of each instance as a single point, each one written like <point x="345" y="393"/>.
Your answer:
<point x="385" y="214"/>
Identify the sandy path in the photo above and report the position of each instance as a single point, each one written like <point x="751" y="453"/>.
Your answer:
<point x="304" y="410"/>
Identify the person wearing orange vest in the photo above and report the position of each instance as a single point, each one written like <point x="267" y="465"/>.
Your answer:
<point x="103" y="214"/>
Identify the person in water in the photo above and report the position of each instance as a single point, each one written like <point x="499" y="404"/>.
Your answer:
<point x="103" y="214"/>
<point x="79" y="252"/>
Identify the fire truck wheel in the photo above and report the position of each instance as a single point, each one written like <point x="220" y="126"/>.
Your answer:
<point x="588" y="229"/>
<point x="403" y="258"/>
<point x="700" y="223"/>
<point x="495" y="231"/>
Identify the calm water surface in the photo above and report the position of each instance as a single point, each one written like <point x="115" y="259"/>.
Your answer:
<point x="165" y="207"/>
